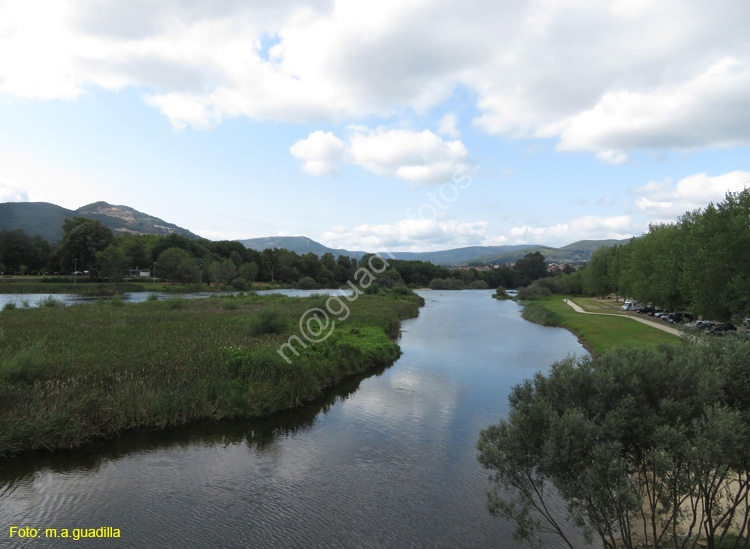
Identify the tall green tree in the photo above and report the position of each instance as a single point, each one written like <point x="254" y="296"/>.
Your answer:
<point x="82" y="241"/>
<point x="176" y="265"/>
<point x="113" y="263"/>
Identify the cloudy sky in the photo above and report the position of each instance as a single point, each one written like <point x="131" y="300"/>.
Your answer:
<point x="400" y="124"/>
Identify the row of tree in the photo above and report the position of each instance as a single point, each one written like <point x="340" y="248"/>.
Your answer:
<point x="700" y="264"/>
<point x="89" y="246"/>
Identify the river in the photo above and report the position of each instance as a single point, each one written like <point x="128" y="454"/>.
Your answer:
<point x="382" y="461"/>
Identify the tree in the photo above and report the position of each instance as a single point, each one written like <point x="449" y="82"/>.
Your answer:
<point x="18" y="249"/>
<point x="222" y="272"/>
<point x="113" y="263"/>
<point x="637" y="443"/>
<point x="717" y="258"/>
<point x="176" y="265"/>
<point x="249" y="271"/>
<point x="531" y="267"/>
<point x="82" y="242"/>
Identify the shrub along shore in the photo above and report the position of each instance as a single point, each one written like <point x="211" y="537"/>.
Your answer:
<point x="72" y="374"/>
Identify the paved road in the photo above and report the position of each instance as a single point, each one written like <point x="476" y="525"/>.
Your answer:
<point x="661" y="327"/>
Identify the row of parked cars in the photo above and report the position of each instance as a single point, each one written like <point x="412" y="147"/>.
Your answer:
<point x="690" y="321"/>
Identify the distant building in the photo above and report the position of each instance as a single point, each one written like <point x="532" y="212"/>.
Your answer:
<point x="139" y="273"/>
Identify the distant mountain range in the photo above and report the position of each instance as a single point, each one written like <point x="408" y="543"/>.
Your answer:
<point x="46" y="219"/>
<point x="572" y="253"/>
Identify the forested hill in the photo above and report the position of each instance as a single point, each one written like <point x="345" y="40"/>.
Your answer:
<point x="46" y="220"/>
<point x="572" y="253"/>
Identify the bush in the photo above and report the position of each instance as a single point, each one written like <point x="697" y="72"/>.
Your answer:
<point x="401" y="290"/>
<point x="239" y="284"/>
<point x="624" y="435"/>
<point x="447" y="284"/>
<point x="479" y="285"/>
<point x="372" y="289"/>
<point x="526" y="293"/>
<point x="306" y="283"/>
<point x="152" y="297"/>
<point x="117" y="301"/>
<point x="50" y="301"/>
<point x="10" y="306"/>
<point x="539" y="314"/>
<point x="500" y="293"/>
<point x="175" y="303"/>
<point x="268" y="321"/>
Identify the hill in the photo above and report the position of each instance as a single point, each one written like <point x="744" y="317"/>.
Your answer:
<point x="124" y="219"/>
<point x="46" y="219"/>
<point x="572" y="253"/>
<point x="298" y="244"/>
<point x="40" y="218"/>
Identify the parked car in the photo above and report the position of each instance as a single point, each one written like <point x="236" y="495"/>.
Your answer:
<point x="646" y="310"/>
<point x="721" y="329"/>
<point x="700" y="324"/>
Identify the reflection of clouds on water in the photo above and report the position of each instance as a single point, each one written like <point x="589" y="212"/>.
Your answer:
<point x="408" y="394"/>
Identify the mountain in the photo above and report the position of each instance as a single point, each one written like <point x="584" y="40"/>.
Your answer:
<point x="40" y="218"/>
<point x="457" y="256"/>
<point x="46" y="219"/>
<point x="124" y="219"/>
<point x="572" y="253"/>
<point x="298" y="244"/>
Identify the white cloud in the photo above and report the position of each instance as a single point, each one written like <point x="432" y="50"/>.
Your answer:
<point x="612" y="157"/>
<point x="600" y="76"/>
<point x="707" y="109"/>
<point x="321" y="151"/>
<point x="449" y="125"/>
<point x="408" y="235"/>
<point x="11" y="193"/>
<point x="667" y="199"/>
<point x="588" y="227"/>
<point x="416" y="157"/>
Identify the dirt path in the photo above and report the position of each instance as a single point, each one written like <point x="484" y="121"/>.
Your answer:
<point x="661" y="327"/>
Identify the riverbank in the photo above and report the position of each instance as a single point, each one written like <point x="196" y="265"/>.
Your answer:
<point x="597" y="333"/>
<point x="72" y="374"/>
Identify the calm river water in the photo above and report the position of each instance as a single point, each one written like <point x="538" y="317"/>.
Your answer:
<point x="383" y="461"/>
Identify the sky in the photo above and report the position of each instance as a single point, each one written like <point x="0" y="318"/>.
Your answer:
<point x="399" y="125"/>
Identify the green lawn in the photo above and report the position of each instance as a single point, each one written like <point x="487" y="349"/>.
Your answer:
<point x="602" y="333"/>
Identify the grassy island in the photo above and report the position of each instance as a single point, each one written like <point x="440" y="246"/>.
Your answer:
<point x="71" y="374"/>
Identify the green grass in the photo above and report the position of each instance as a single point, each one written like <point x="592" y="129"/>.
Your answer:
<point x="602" y="333"/>
<point x="71" y="374"/>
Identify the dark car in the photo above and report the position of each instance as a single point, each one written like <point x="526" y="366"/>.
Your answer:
<point x="721" y="329"/>
<point x="674" y="318"/>
<point x="646" y="310"/>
